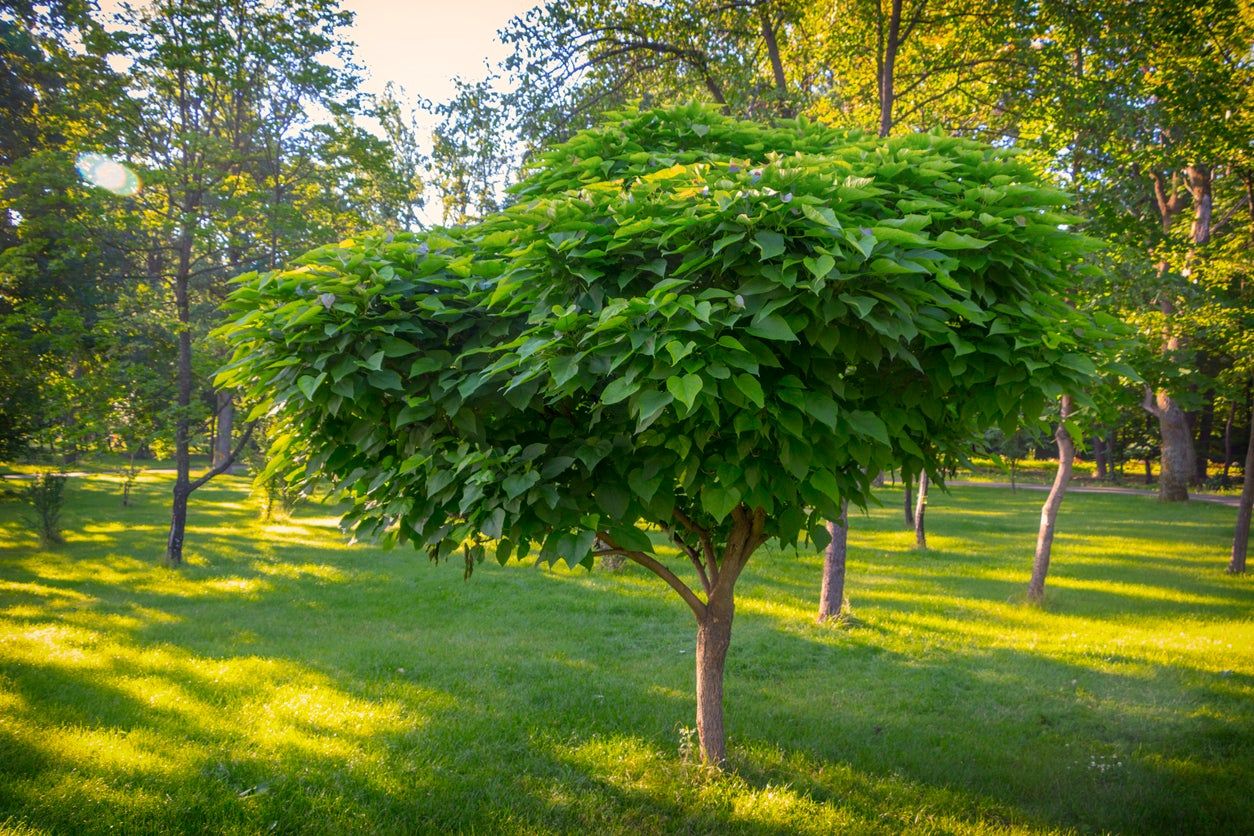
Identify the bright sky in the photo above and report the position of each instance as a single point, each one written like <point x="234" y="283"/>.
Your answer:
<point x="422" y="44"/>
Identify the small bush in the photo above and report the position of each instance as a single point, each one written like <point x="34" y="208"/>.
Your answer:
<point x="46" y="496"/>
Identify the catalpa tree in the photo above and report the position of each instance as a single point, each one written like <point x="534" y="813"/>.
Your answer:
<point x="688" y="336"/>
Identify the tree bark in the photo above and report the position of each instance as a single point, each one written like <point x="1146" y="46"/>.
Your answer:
<point x="182" y="421"/>
<point x="920" y="513"/>
<point x="907" y="484"/>
<point x="777" y="66"/>
<point x="1241" y="537"/>
<point x="1232" y="411"/>
<point x="832" y="595"/>
<point x="713" y="640"/>
<point x="1099" y="457"/>
<point x="225" y="424"/>
<point x="1049" y="513"/>
<point x="887" y="67"/>
<point x="1177" y="446"/>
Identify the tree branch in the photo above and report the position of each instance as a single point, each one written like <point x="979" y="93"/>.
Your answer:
<point x="690" y="598"/>
<point x="222" y="466"/>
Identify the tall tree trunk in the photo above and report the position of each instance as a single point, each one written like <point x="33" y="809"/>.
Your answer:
<point x="920" y="513"/>
<point x="832" y="596"/>
<point x="887" y="68"/>
<point x="777" y="66"/>
<point x="1205" y="427"/>
<point x="1049" y="513"/>
<point x="1232" y="411"/>
<point x="1099" y="456"/>
<point x="1241" y="537"/>
<point x="182" y="421"/>
<point x="225" y="425"/>
<point x="907" y="484"/>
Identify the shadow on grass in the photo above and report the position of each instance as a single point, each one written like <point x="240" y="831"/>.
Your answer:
<point x="329" y="689"/>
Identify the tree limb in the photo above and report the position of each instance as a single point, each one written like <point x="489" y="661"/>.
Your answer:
<point x="227" y="462"/>
<point x="647" y="561"/>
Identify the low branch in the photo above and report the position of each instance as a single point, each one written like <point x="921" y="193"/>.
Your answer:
<point x="693" y="555"/>
<point x="227" y="462"/>
<point x="647" y="561"/>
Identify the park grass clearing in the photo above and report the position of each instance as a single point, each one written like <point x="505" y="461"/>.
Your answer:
<point x="286" y="680"/>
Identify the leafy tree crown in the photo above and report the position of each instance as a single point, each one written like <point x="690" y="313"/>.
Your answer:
<point x="683" y="317"/>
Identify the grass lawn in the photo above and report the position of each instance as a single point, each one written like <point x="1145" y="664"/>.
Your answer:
<point x="286" y="681"/>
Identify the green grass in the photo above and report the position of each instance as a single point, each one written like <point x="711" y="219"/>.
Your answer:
<point x="284" y="680"/>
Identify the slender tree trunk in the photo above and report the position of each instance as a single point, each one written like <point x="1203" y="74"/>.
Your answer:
<point x="907" y="483"/>
<point x="713" y="640"/>
<point x="182" y="422"/>
<point x="777" y="66"/>
<point x="888" y="66"/>
<point x="225" y="425"/>
<point x="1241" y="538"/>
<point x="1049" y="513"/>
<point x="1099" y="457"/>
<point x="832" y="596"/>
<point x="1232" y="411"/>
<point x="920" y="513"/>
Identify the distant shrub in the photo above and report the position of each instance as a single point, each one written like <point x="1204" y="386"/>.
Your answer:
<point x="46" y="496"/>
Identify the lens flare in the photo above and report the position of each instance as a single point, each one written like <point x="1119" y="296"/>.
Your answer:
<point x="108" y="174"/>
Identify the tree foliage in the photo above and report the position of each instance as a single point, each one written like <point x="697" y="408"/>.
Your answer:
<point x="683" y="315"/>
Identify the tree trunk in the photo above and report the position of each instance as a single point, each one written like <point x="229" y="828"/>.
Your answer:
<point x="225" y="424"/>
<point x="1049" y="513"/>
<point x="713" y="639"/>
<point x="920" y="513"/>
<point x="907" y="484"/>
<point x="1177" y="446"/>
<point x="182" y="422"/>
<point x="1241" y="538"/>
<point x="1232" y="411"/>
<point x="832" y="596"/>
<point x="1099" y="457"/>
<point x="888" y="66"/>
<point x="777" y="66"/>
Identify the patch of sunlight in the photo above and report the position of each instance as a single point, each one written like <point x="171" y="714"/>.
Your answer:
<point x="33" y="588"/>
<point x="791" y="614"/>
<point x="136" y="750"/>
<point x="300" y="570"/>
<point x="248" y="587"/>
<point x="1137" y="590"/>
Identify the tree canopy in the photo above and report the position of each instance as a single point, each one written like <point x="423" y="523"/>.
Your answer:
<point x="682" y="315"/>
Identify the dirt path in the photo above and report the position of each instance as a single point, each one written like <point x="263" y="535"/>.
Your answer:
<point x="1231" y="501"/>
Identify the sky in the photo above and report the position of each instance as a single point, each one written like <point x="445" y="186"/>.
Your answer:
<point x="422" y="44"/>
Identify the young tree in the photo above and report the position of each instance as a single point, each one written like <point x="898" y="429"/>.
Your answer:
<point x="1049" y="513"/>
<point x="672" y="326"/>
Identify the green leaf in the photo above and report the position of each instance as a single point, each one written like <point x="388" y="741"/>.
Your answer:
<point x="618" y="390"/>
<point x="772" y="328"/>
<point x="685" y="389"/>
<point x="865" y="423"/>
<point x="612" y="499"/>
<point x="770" y="243"/>
<point x="385" y="379"/>
<point x="752" y="389"/>
<point x="309" y="384"/>
<point x="820" y="266"/>
<point x="718" y="502"/>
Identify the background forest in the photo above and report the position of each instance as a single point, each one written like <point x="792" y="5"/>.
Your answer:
<point x="148" y="156"/>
